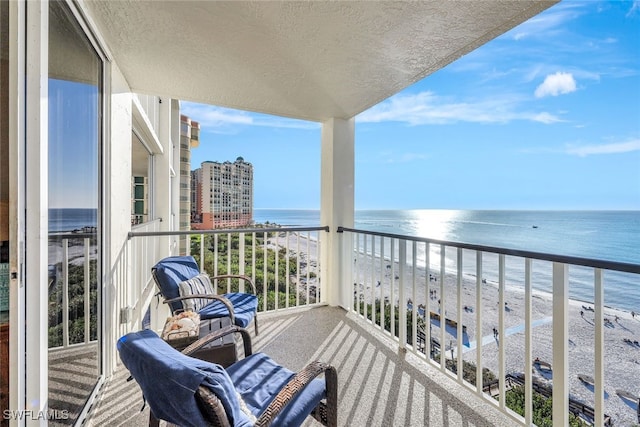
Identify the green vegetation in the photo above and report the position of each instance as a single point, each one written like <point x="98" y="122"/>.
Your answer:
<point x="76" y="305"/>
<point x="223" y="251"/>
<point x="542" y="408"/>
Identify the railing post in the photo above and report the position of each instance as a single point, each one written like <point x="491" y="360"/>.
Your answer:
<point x="392" y="278"/>
<point x="229" y="239"/>
<point x="346" y="272"/>
<point x="599" y="350"/>
<point x="479" y="336"/>
<point x="402" y="303"/>
<point x="372" y="279"/>
<point x="241" y="260"/>
<point x="87" y="291"/>
<point x="501" y="329"/>
<point x="202" y="266"/>
<point x="442" y="308"/>
<point x="414" y="299"/>
<point x="459" y="348"/>
<point x="427" y="305"/>
<point x="287" y="274"/>
<point x="364" y="274"/>
<point x="381" y="292"/>
<point x="560" y="344"/>
<point x="528" y="377"/>
<point x="276" y="272"/>
<point x="65" y="292"/>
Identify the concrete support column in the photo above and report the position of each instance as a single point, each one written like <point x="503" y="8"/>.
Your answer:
<point x="162" y="179"/>
<point x="336" y="208"/>
<point x="117" y="204"/>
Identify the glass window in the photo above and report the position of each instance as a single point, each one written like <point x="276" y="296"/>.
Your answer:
<point x="75" y="98"/>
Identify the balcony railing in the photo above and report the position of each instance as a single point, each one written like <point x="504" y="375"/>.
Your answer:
<point x="509" y="316"/>
<point x="73" y="289"/>
<point x="282" y="262"/>
<point x="504" y="310"/>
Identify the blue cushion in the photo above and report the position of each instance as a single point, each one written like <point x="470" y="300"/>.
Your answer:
<point x="169" y="380"/>
<point x="170" y="271"/>
<point x="258" y="379"/>
<point x="244" y="308"/>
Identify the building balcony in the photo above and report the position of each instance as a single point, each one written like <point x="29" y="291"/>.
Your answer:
<point x="378" y="384"/>
<point x="511" y="324"/>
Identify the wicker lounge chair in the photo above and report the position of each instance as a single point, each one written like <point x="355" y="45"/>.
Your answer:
<point x="254" y="391"/>
<point x="184" y="287"/>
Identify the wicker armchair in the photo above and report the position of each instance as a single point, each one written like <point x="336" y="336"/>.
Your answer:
<point x="255" y="391"/>
<point x="184" y="287"/>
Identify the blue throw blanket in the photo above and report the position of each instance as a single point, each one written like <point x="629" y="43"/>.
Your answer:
<point x="169" y="380"/>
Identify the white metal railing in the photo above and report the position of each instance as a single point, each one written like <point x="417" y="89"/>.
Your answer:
<point x="131" y="277"/>
<point x="407" y="286"/>
<point x="282" y="262"/>
<point x="533" y="288"/>
<point x="72" y="290"/>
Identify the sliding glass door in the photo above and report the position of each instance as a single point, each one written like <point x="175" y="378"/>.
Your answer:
<point x="75" y="226"/>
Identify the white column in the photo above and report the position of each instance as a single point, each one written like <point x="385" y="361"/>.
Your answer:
<point x="36" y="199"/>
<point x="117" y="204"/>
<point x="336" y="208"/>
<point x="162" y="185"/>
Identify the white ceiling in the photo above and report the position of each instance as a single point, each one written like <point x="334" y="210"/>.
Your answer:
<point x="311" y="60"/>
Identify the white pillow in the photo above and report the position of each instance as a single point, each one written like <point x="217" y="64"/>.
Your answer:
<point x="198" y="285"/>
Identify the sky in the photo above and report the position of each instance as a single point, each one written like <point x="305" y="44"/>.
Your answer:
<point x="73" y="144"/>
<point x="546" y="116"/>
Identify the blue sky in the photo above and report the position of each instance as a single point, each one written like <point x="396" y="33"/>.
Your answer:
<point x="547" y="116"/>
<point x="73" y="148"/>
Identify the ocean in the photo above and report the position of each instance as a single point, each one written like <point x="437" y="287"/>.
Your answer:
<point x="64" y="219"/>
<point x="603" y="235"/>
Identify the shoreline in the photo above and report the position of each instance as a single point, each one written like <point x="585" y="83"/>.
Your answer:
<point x="620" y="357"/>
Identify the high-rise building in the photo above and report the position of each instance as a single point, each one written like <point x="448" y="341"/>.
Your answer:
<point x="223" y="195"/>
<point x="189" y="138"/>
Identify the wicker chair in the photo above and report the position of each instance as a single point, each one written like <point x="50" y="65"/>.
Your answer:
<point x="254" y="391"/>
<point x="179" y="280"/>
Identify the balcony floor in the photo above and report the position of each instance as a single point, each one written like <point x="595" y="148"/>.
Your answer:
<point x="378" y="385"/>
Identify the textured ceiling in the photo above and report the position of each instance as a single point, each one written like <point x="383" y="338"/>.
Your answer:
<point x="309" y="60"/>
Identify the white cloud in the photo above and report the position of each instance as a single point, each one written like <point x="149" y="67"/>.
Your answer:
<point x="613" y="148"/>
<point x="210" y="116"/>
<point x="556" y="84"/>
<point x="546" y="118"/>
<point x="635" y="8"/>
<point x="219" y="119"/>
<point x="426" y="108"/>
<point x="548" y="22"/>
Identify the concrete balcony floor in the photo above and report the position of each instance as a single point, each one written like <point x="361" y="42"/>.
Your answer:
<point x="378" y="385"/>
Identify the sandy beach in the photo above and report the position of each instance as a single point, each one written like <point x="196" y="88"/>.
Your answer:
<point x="379" y="280"/>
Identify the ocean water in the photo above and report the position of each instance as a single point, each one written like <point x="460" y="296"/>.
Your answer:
<point x="71" y="219"/>
<point x="603" y="235"/>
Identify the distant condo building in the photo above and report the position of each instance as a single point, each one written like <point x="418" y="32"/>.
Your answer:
<point x="189" y="138"/>
<point x="222" y="195"/>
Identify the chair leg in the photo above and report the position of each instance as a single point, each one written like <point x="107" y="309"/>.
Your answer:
<point x="331" y="384"/>
<point x="153" y="421"/>
<point x="255" y="323"/>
